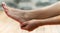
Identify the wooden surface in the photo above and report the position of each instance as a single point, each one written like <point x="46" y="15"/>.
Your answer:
<point x="8" y="25"/>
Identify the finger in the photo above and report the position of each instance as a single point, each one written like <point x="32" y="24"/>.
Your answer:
<point x="23" y="24"/>
<point x="26" y="28"/>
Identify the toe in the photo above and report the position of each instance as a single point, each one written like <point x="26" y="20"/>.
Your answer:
<point x="4" y="7"/>
<point x="8" y="11"/>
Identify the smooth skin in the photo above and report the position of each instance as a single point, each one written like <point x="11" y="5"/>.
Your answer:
<point x="31" y="19"/>
<point x="33" y="24"/>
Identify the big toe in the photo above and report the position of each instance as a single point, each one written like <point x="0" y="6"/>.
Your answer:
<point x="4" y="6"/>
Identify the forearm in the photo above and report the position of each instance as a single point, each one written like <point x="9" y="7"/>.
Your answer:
<point x="50" y="21"/>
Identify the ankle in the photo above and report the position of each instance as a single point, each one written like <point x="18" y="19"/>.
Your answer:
<point x="28" y="15"/>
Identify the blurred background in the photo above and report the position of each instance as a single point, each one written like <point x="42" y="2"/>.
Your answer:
<point x="27" y="4"/>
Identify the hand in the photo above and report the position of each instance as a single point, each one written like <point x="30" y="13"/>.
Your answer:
<point x="31" y="25"/>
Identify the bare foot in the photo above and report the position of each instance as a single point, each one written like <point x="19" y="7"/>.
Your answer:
<point x="14" y="13"/>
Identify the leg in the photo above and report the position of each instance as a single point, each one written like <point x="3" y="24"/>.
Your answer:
<point x="45" y="12"/>
<point x="41" y="13"/>
<point x="16" y="14"/>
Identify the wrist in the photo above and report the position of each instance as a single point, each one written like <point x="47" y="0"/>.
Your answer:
<point x="40" y="22"/>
